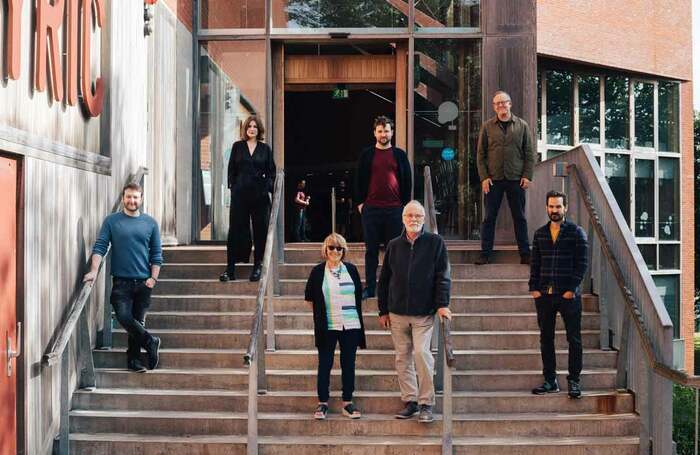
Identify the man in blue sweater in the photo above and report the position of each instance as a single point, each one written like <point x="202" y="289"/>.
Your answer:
<point x="135" y="263"/>
<point x="559" y="261"/>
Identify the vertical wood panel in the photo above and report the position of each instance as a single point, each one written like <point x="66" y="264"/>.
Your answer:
<point x="401" y="85"/>
<point x="335" y="69"/>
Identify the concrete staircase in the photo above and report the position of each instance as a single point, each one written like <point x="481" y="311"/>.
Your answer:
<point x="196" y="402"/>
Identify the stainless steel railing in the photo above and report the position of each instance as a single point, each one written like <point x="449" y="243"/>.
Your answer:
<point x="254" y="357"/>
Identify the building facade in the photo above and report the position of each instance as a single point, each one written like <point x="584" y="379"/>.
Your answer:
<point x="179" y="76"/>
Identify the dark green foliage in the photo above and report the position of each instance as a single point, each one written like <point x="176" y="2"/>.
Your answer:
<point x="683" y="419"/>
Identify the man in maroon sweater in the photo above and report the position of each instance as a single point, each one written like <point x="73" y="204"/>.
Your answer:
<point x="383" y="187"/>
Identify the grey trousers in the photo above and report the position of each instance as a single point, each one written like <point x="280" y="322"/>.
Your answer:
<point x="411" y="336"/>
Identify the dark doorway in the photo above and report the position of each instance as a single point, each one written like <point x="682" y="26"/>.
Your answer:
<point x="325" y="132"/>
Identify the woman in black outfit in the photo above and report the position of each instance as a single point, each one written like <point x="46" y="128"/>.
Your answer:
<point x="251" y="175"/>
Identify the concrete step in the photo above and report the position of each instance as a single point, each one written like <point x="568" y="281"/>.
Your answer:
<point x="514" y="286"/>
<point x="176" y="358"/>
<point x="376" y="339"/>
<point x="246" y="303"/>
<point x="370" y="402"/>
<point x="302" y="270"/>
<point x="459" y="254"/>
<point x="286" y="424"/>
<point x="173" y="378"/>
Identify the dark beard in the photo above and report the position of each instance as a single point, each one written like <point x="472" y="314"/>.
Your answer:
<point x="558" y="217"/>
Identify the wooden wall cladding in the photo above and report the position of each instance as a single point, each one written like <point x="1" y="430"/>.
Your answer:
<point x="339" y="69"/>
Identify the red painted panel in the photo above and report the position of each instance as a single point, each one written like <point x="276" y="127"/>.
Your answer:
<point x="8" y="295"/>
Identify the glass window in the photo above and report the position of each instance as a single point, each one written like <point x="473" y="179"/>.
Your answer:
<point x="589" y="109"/>
<point x="617" y="173"/>
<point x="617" y="120"/>
<point x="559" y="105"/>
<point x="644" y="114"/>
<point x="339" y="14"/>
<point x="232" y="14"/>
<point x="669" y="256"/>
<point x="553" y="153"/>
<point x="649" y="254"/>
<point x="668" y="287"/>
<point x="644" y="198"/>
<point x="669" y="199"/>
<point x="668" y="117"/>
<point x="447" y="103"/>
<point x="446" y="13"/>
<point x="231" y="87"/>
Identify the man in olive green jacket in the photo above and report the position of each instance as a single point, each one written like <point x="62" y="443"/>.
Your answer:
<point x="505" y="160"/>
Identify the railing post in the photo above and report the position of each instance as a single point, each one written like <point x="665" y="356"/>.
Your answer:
<point x="63" y="428"/>
<point x="107" y="308"/>
<point x="252" y="446"/>
<point x="270" y="318"/>
<point x="446" y="407"/>
<point x="85" y="361"/>
<point x="440" y="370"/>
<point x="260" y="361"/>
<point x="623" y="353"/>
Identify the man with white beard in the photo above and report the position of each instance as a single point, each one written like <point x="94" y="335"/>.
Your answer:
<point x="414" y="285"/>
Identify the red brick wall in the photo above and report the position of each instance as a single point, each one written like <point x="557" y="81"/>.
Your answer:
<point x="645" y="36"/>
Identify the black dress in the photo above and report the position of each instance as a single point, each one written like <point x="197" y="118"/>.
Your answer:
<point x="250" y="179"/>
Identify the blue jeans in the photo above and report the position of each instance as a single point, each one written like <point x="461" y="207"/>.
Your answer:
<point x="299" y="233"/>
<point x="516" y="200"/>
<point x="379" y="225"/>
<point x="130" y="299"/>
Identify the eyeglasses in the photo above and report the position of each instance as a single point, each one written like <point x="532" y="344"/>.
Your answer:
<point x="501" y="103"/>
<point x="414" y="216"/>
<point x="339" y="249"/>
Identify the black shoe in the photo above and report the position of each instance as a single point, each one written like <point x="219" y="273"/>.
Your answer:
<point x="368" y="294"/>
<point x="152" y="351"/>
<point x="349" y="410"/>
<point x="409" y="411"/>
<point x="547" y="387"/>
<point x="574" y="389"/>
<point x="256" y="272"/>
<point x="483" y="260"/>
<point x="525" y="259"/>
<point x="228" y="275"/>
<point x="136" y="366"/>
<point x="426" y="413"/>
<point x="321" y="411"/>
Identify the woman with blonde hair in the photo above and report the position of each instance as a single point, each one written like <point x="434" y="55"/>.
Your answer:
<point x="251" y="175"/>
<point x="334" y="289"/>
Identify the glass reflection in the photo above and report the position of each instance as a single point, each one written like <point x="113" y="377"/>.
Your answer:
<point x="559" y="106"/>
<point x="668" y="116"/>
<point x="446" y="13"/>
<point x="339" y="13"/>
<point x="589" y="109"/>
<point x="649" y="254"/>
<point x="231" y="87"/>
<point x="669" y="256"/>
<point x="644" y="114"/>
<point x="617" y="113"/>
<point x="669" y="199"/>
<point x="447" y="100"/>
<point x="617" y="173"/>
<point x="644" y="198"/>
<point x="215" y="14"/>
<point x="668" y="287"/>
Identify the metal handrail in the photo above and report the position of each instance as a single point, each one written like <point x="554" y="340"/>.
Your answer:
<point x="254" y="357"/>
<point x="56" y="351"/>
<point x="441" y="332"/>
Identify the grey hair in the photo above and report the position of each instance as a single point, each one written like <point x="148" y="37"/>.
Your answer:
<point x="501" y="92"/>
<point x="416" y="204"/>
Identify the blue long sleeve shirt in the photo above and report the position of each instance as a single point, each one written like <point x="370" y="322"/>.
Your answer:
<point x="135" y="244"/>
<point x="561" y="264"/>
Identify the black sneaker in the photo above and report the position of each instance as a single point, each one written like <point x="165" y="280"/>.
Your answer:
<point x="351" y="411"/>
<point x="227" y="276"/>
<point x="152" y="351"/>
<point x="409" y="411"/>
<point x="547" y="387"/>
<point x="426" y="413"/>
<point x="256" y="272"/>
<point x="574" y="389"/>
<point x="525" y="259"/>
<point x="483" y="260"/>
<point x="321" y="411"/>
<point x="136" y="366"/>
<point x="368" y="294"/>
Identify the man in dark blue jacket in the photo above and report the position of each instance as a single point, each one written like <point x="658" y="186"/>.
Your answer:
<point x="559" y="261"/>
<point x="413" y="286"/>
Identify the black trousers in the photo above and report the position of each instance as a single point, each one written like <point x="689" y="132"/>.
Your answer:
<point x="516" y="200"/>
<point x="247" y="206"/>
<point x="379" y="225"/>
<point x="130" y="300"/>
<point x="570" y="310"/>
<point x="349" y="341"/>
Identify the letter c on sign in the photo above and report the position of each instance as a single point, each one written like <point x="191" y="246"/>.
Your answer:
<point x="93" y="101"/>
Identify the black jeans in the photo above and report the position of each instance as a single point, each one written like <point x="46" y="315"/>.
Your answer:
<point x="379" y="225"/>
<point x="247" y="205"/>
<point x="516" y="201"/>
<point x="547" y="308"/>
<point x="349" y="341"/>
<point x="130" y="300"/>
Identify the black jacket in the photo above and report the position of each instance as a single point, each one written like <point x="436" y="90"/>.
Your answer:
<point x="314" y="294"/>
<point x="559" y="264"/>
<point x="364" y="175"/>
<point x="415" y="279"/>
<point x="252" y="173"/>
